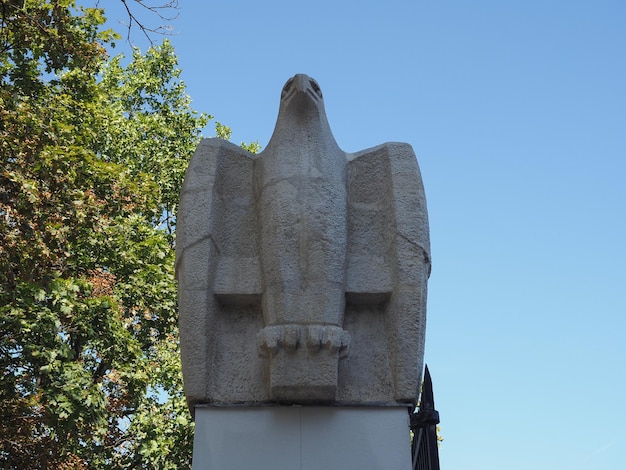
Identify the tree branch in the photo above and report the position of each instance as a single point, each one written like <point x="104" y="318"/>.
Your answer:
<point x="158" y="10"/>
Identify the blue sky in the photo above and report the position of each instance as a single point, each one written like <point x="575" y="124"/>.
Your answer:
<point x="517" y="112"/>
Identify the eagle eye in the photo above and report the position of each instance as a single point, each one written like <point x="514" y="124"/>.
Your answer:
<point x="316" y="88"/>
<point x="287" y="87"/>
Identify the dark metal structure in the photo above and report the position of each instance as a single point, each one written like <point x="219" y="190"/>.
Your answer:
<point x="424" y="450"/>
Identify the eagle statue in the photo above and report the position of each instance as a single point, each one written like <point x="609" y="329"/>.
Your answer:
<point x="302" y="270"/>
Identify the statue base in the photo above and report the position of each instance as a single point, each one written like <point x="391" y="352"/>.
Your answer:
<point x="303" y="437"/>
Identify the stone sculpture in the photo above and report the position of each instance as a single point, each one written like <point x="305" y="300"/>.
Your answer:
<point x="302" y="270"/>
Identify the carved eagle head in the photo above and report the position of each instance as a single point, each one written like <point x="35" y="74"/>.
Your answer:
<point x="302" y="117"/>
<point x="302" y="88"/>
<point x="302" y="97"/>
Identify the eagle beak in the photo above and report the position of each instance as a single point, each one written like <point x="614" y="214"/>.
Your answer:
<point x="301" y="85"/>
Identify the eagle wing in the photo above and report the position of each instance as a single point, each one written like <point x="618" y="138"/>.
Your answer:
<point x="217" y="260"/>
<point x="389" y="256"/>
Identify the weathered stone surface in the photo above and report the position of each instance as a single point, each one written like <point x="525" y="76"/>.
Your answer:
<point x="302" y="270"/>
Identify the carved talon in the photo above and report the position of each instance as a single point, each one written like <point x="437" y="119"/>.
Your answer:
<point x="272" y="339"/>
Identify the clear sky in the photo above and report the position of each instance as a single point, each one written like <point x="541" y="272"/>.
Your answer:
<point x="516" y="110"/>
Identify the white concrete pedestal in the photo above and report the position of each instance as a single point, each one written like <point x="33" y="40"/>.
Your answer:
<point x="301" y="438"/>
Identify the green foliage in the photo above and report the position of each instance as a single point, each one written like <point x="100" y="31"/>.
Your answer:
<point x="92" y="157"/>
<point x="224" y="132"/>
<point x="152" y="131"/>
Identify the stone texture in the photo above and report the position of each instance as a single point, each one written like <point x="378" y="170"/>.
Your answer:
<point x="302" y="270"/>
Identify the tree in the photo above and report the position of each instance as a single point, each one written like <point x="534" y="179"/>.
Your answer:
<point x="92" y="157"/>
